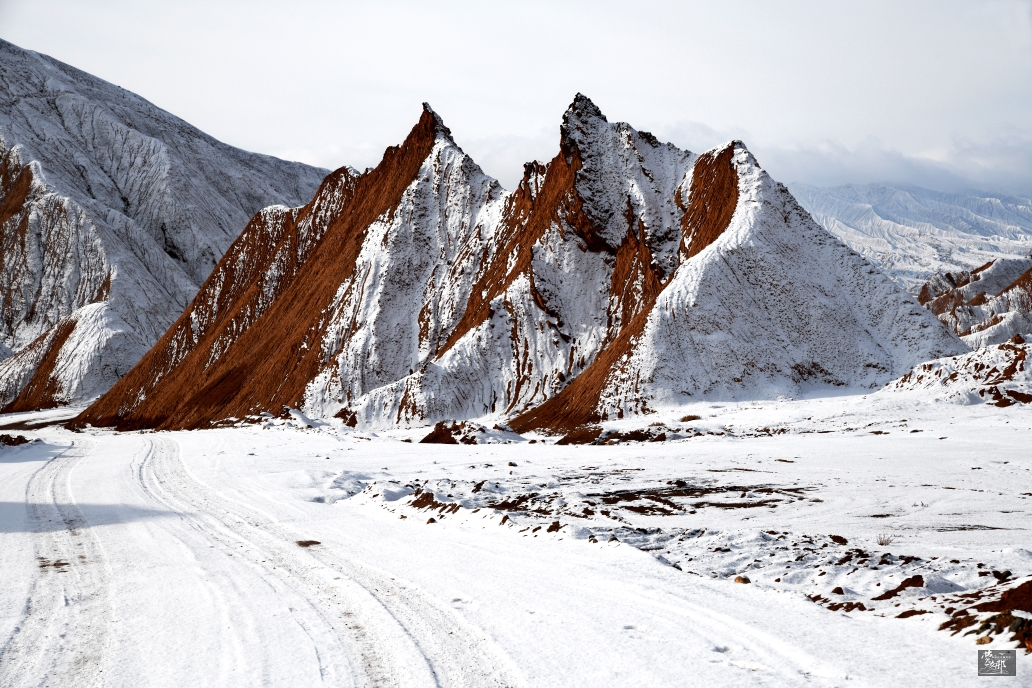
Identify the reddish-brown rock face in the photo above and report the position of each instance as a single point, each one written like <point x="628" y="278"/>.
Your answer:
<point x="421" y="291"/>
<point x="249" y="340"/>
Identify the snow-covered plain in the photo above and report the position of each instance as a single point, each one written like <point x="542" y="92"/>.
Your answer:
<point x="277" y="554"/>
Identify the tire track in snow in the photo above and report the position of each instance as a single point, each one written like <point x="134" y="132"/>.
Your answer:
<point x="393" y="633"/>
<point x="781" y="660"/>
<point x="63" y="637"/>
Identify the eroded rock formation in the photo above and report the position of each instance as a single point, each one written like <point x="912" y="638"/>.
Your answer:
<point x="622" y="275"/>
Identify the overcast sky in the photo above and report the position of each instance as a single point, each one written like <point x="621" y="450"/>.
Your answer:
<point x="931" y="93"/>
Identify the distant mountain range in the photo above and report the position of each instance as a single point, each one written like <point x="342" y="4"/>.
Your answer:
<point x="197" y="284"/>
<point x="913" y="233"/>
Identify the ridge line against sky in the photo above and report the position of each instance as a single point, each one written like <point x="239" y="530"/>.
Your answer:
<point x="936" y="94"/>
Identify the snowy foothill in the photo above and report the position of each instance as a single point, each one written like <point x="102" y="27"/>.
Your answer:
<point x="294" y="551"/>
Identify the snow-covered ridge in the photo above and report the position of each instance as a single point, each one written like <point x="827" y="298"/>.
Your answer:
<point x="742" y="317"/>
<point x="912" y="233"/>
<point x="622" y="275"/>
<point x="109" y="200"/>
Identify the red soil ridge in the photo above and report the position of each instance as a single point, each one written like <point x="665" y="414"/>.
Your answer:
<point x="242" y="363"/>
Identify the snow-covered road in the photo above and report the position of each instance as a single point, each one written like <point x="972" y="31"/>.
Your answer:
<point x="233" y="558"/>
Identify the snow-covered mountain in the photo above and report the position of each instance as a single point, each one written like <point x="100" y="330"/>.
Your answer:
<point x="112" y="214"/>
<point x="622" y="276"/>
<point x="913" y="233"/>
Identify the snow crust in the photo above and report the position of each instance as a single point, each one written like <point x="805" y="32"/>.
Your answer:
<point x="275" y="555"/>
<point x="128" y="205"/>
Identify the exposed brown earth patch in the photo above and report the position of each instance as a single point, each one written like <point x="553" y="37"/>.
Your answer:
<point x="584" y="435"/>
<point x="1019" y="598"/>
<point x="912" y="582"/>
<point x="441" y="434"/>
<point x="1002" y="619"/>
<point x="349" y="417"/>
<point x="13" y="440"/>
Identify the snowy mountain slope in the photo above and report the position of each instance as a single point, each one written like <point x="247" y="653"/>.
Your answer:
<point x="985" y="306"/>
<point x="430" y="292"/>
<point x="773" y="306"/>
<point x="912" y="233"/>
<point x="104" y="198"/>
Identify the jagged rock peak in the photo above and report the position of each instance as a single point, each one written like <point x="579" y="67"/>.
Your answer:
<point x="431" y="117"/>
<point x="582" y="107"/>
<point x="581" y="122"/>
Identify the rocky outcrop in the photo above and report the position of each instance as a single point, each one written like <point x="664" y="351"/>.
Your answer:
<point x="997" y="375"/>
<point x="112" y="213"/>
<point x="622" y="275"/>
<point x="985" y="306"/>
